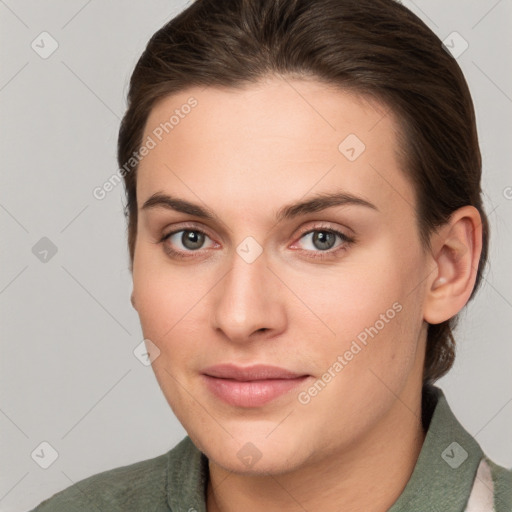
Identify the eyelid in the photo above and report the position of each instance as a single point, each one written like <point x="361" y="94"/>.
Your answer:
<point x="346" y="239"/>
<point x="186" y="226"/>
<point x="323" y="225"/>
<point x="303" y="231"/>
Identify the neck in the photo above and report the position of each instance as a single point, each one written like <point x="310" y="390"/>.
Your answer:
<point x="369" y="476"/>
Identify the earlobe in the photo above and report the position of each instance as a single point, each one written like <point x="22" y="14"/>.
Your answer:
<point x="132" y="299"/>
<point x="456" y="250"/>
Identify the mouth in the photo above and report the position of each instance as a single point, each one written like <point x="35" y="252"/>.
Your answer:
<point x="251" y="386"/>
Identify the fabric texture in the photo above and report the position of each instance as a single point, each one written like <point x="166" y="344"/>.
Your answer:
<point x="452" y="474"/>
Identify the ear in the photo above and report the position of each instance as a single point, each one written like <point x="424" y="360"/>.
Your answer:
<point x="456" y="249"/>
<point x="132" y="299"/>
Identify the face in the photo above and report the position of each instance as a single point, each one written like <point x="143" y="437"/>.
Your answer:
<point x="330" y="292"/>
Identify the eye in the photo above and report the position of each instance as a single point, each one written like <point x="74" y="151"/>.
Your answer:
<point x="190" y="240"/>
<point x="320" y="242"/>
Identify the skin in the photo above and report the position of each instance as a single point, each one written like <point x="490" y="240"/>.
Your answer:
<point x="244" y="154"/>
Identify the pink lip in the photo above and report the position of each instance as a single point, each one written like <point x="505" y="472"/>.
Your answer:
<point x="250" y="386"/>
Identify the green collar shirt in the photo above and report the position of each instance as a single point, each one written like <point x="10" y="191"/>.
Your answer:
<point x="452" y="474"/>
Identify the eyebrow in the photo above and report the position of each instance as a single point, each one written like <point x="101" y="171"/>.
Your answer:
<point x="314" y="204"/>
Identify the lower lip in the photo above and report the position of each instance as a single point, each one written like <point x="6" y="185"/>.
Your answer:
<point x="250" y="393"/>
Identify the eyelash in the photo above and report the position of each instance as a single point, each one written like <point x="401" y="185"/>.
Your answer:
<point x="319" y="255"/>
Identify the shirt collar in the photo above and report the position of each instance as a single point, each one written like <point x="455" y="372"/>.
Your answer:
<point x="442" y="477"/>
<point x="446" y="467"/>
<point x="187" y="478"/>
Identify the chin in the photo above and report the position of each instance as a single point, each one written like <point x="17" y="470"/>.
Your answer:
<point x="254" y="454"/>
<point x="274" y="464"/>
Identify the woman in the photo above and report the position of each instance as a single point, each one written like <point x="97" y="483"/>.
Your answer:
<point x="305" y="223"/>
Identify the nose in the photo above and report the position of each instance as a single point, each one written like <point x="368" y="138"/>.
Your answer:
<point x="248" y="302"/>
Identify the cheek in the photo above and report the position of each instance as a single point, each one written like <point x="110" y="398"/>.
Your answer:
<point x="352" y="295"/>
<point x="165" y="305"/>
<point x="377" y="321"/>
<point x="366" y="307"/>
<point x="164" y="308"/>
<point x="160" y="292"/>
<point x="170" y="307"/>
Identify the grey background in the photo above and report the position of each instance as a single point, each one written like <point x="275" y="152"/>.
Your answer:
<point x="68" y="331"/>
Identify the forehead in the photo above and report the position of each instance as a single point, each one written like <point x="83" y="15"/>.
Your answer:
<point x="272" y="142"/>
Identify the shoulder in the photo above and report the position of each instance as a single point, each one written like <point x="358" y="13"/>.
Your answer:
<point x="133" y="487"/>
<point x="502" y="486"/>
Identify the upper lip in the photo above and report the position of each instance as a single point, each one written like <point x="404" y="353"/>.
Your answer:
<point x="247" y="373"/>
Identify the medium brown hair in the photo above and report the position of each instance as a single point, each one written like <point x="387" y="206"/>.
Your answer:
<point x="376" y="48"/>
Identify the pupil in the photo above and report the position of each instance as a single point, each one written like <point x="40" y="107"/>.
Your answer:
<point x="192" y="239"/>
<point x="323" y="238"/>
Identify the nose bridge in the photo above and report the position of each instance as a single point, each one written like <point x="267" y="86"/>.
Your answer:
<point x="246" y="299"/>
